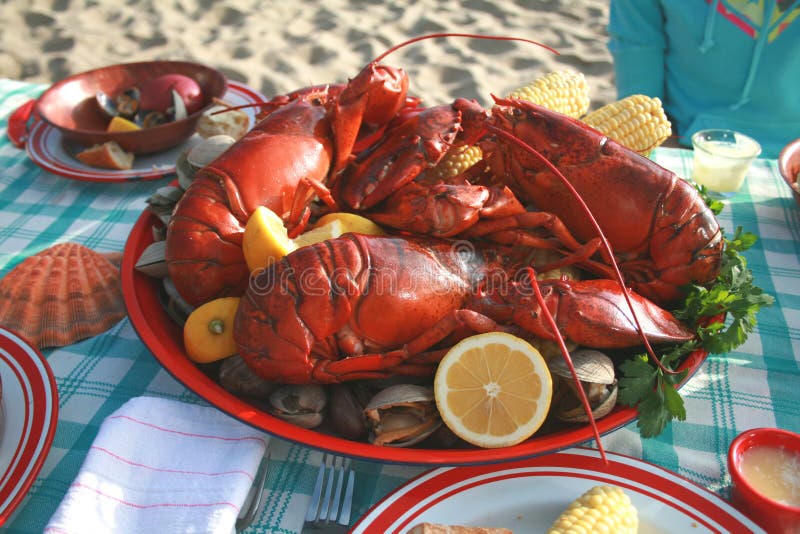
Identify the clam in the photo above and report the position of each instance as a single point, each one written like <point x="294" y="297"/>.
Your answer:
<point x="300" y="404"/>
<point x="184" y="170"/>
<point x="346" y="413"/>
<point x="125" y="105"/>
<point x="237" y="377"/>
<point x="208" y="150"/>
<point x="175" y="306"/>
<point x="152" y="261"/>
<point x="162" y="202"/>
<point x="402" y="415"/>
<point x="595" y="370"/>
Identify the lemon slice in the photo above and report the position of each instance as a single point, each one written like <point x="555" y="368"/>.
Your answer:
<point x="319" y="233"/>
<point x="350" y="222"/>
<point x="265" y="239"/>
<point x="493" y="389"/>
<point x="118" y="124"/>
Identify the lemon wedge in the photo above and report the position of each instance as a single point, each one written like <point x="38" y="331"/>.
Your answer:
<point x="118" y="124"/>
<point x="265" y="239"/>
<point x="350" y="222"/>
<point x="320" y="233"/>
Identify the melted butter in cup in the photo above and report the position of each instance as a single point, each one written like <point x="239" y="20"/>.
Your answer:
<point x="764" y="465"/>
<point x="722" y="159"/>
<point x="773" y="471"/>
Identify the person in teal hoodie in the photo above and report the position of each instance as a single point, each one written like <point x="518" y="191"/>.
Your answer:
<point x="714" y="64"/>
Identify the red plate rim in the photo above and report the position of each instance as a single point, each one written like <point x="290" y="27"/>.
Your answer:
<point x="39" y="151"/>
<point x="164" y="339"/>
<point x="40" y="417"/>
<point x="407" y="503"/>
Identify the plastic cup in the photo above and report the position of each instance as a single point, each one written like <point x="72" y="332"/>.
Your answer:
<point x="722" y="159"/>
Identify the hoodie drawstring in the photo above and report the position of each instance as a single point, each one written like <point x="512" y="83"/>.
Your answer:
<point x="708" y="33"/>
<point x="763" y="34"/>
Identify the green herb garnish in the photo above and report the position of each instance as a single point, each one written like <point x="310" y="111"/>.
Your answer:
<point x="733" y="293"/>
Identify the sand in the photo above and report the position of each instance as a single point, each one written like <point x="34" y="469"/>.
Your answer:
<point x="278" y="46"/>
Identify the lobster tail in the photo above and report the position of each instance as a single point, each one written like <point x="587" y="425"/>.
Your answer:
<point x="204" y="244"/>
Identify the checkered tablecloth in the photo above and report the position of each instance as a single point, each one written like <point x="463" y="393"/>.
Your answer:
<point x="756" y="385"/>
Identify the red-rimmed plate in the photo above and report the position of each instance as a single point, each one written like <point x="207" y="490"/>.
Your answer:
<point x="30" y="412"/>
<point x="528" y="495"/>
<point x="47" y="148"/>
<point x="165" y="339"/>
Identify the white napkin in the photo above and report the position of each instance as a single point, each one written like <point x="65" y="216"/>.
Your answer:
<point x="159" y="465"/>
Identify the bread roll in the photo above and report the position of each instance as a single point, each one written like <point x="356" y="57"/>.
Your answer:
<point x="233" y="122"/>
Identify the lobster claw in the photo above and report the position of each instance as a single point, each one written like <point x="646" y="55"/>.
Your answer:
<point x="596" y="314"/>
<point x="415" y="145"/>
<point x="373" y="97"/>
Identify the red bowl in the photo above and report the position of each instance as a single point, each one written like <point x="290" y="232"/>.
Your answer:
<point x="772" y="515"/>
<point x="164" y="338"/>
<point x="789" y="166"/>
<point x="70" y="105"/>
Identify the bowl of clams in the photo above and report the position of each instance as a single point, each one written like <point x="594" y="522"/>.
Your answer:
<point x="142" y="107"/>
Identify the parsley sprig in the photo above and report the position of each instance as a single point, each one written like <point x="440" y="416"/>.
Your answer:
<point x="733" y="293"/>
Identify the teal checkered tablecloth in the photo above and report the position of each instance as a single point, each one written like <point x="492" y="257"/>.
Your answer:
<point x="754" y="386"/>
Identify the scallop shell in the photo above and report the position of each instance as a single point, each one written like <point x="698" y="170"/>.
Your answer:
<point x="63" y="294"/>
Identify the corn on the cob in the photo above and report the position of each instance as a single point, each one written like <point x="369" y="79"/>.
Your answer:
<point x="456" y="161"/>
<point x="562" y="91"/>
<point x="637" y="121"/>
<point x="600" y="509"/>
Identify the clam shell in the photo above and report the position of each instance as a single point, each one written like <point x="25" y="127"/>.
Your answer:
<point x="574" y="413"/>
<point x="184" y="170"/>
<point x="208" y="150"/>
<point x="402" y="415"/>
<point x="153" y="261"/>
<point x="63" y="294"/>
<point x="590" y="366"/>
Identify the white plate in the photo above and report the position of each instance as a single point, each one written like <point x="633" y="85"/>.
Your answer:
<point x="528" y="495"/>
<point x="30" y="413"/>
<point x="48" y="149"/>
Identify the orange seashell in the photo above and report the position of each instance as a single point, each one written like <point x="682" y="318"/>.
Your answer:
<point x="63" y="294"/>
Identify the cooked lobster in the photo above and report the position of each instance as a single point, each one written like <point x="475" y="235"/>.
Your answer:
<point x="661" y="231"/>
<point x="303" y="139"/>
<point x="339" y="310"/>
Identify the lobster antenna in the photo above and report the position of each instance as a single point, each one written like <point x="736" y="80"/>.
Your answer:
<point x="587" y="407"/>
<point x="470" y="35"/>
<point x="606" y="245"/>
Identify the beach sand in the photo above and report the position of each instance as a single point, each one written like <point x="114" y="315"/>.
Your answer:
<point x="279" y="46"/>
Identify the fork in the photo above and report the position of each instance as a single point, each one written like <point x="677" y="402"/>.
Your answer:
<point x="332" y="498"/>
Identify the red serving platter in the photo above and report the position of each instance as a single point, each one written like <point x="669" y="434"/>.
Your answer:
<point x="165" y="339"/>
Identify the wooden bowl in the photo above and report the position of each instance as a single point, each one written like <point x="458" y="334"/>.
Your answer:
<point x="789" y="165"/>
<point x="70" y="104"/>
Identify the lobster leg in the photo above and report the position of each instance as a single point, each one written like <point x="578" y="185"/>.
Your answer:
<point x="413" y="358"/>
<point x="418" y="143"/>
<point x="442" y="209"/>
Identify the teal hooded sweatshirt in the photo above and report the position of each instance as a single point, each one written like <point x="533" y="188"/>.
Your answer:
<point x="714" y="63"/>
